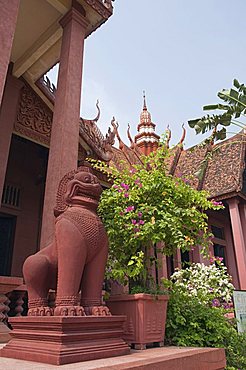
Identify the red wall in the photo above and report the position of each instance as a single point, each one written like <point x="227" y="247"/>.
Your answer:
<point x="26" y="169"/>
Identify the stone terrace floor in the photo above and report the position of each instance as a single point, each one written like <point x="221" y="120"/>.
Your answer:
<point x="166" y="358"/>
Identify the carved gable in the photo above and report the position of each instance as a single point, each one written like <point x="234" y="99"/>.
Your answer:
<point x="34" y="118"/>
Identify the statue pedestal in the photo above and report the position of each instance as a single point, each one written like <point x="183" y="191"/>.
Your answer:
<point x="62" y="340"/>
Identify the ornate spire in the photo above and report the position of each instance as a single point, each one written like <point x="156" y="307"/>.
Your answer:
<point x="146" y="139"/>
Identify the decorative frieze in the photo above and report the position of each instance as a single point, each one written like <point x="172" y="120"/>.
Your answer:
<point x="34" y="118"/>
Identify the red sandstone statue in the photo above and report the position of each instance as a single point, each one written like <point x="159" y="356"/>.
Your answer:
<point x="77" y="257"/>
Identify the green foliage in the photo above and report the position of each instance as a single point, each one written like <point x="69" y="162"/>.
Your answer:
<point x="191" y="322"/>
<point x="145" y="206"/>
<point x="235" y="107"/>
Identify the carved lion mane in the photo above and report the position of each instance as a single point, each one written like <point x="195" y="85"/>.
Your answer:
<point x="64" y="193"/>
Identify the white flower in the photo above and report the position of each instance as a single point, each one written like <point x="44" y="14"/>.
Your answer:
<point x="205" y="282"/>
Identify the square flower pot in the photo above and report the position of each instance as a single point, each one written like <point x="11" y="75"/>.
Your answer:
<point x="146" y="317"/>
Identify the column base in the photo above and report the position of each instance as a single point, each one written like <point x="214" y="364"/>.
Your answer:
<point x="4" y="333"/>
<point x="62" y="340"/>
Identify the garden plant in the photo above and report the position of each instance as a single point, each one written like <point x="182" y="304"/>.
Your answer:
<point x="144" y="206"/>
<point x="200" y="299"/>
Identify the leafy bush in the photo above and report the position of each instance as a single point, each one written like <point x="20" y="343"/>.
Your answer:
<point x="193" y="321"/>
<point x="145" y="206"/>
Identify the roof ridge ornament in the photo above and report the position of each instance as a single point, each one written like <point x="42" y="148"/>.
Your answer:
<point x="183" y="135"/>
<point x="97" y="116"/>
<point x="168" y="135"/>
<point x="144" y="101"/>
<point x="115" y="125"/>
<point x="129" y="136"/>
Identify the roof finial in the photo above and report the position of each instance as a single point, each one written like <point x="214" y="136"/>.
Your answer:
<point x="144" y="104"/>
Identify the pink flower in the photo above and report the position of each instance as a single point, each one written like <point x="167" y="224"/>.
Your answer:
<point x="133" y="170"/>
<point x="136" y="230"/>
<point x="134" y="222"/>
<point x="220" y="259"/>
<point x="129" y="209"/>
<point x="140" y="214"/>
<point x="138" y="182"/>
<point x="120" y="190"/>
<point x="115" y="186"/>
<point x="121" y="214"/>
<point x="124" y="186"/>
<point x="216" y="203"/>
<point x="141" y="222"/>
<point x="126" y="195"/>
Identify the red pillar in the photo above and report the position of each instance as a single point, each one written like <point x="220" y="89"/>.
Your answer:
<point x="242" y="209"/>
<point x="63" y="153"/>
<point x="177" y="259"/>
<point x="162" y="262"/>
<point x="8" y="17"/>
<point x="197" y="257"/>
<point x="239" y="243"/>
<point x="230" y="254"/>
<point x="7" y="119"/>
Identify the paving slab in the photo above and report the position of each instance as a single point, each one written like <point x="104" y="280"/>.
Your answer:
<point x="166" y="358"/>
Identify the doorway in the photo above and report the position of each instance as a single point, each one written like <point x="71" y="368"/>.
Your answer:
<point x="7" y="232"/>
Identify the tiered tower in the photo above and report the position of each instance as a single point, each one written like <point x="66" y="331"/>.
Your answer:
<point x="146" y="139"/>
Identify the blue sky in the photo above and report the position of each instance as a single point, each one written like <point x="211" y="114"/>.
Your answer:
<point x="181" y="52"/>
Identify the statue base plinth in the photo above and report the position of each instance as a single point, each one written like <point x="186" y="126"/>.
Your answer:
<point x="62" y="340"/>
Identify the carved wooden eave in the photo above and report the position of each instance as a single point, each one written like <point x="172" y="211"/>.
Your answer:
<point x="90" y="134"/>
<point x="102" y="7"/>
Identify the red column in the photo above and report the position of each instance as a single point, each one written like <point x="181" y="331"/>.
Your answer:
<point x="239" y="243"/>
<point x="177" y="259"/>
<point x="242" y="209"/>
<point x="63" y="153"/>
<point x="197" y="256"/>
<point x="8" y="17"/>
<point x="230" y="254"/>
<point x="7" y="118"/>
<point x="162" y="262"/>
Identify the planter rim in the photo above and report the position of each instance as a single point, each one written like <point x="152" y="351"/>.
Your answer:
<point x="139" y="296"/>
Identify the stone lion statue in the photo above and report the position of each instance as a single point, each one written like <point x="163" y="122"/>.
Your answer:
<point x="75" y="261"/>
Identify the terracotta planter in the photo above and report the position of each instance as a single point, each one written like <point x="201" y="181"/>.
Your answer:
<point x="146" y="317"/>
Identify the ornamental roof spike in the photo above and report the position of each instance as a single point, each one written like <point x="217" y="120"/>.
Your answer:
<point x="108" y="4"/>
<point x="169" y="135"/>
<point x="129" y="136"/>
<point x="115" y="125"/>
<point x="97" y="116"/>
<point x="98" y="111"/>
<point x="144" y="101"/>
<point x="183" y="135"/>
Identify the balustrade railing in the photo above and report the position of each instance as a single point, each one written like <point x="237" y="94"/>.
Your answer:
<point x="11" y="303"/>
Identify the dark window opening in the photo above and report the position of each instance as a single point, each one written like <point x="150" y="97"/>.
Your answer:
<point x="185" y="259"/>
<point x="170" y="265"/>
<point x="219" y="251"/>
<point x="7" y="232"/>
<point x="218" y="232"/>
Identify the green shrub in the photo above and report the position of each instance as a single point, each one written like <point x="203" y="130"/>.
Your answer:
<point x="192" y="323"/>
